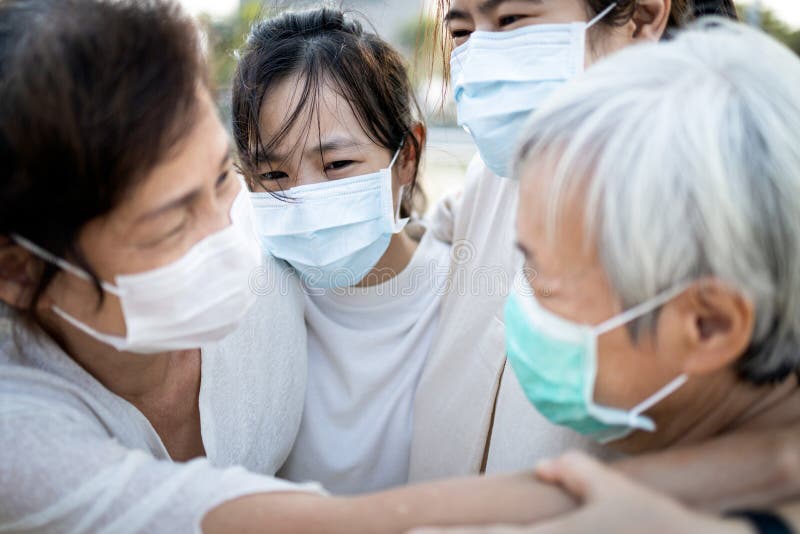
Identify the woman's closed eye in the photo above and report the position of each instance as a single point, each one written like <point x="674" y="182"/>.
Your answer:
<point x="223" y="178"/>
<point x="168" y="236"/>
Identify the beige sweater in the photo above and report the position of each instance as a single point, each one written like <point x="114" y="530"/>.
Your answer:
<point x="470" y="413"/>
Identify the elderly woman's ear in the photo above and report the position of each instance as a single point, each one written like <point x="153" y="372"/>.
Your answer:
<point x="715" y="323"/>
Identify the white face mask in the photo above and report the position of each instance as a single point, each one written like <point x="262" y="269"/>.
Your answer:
<point x="333" y="233"/>
<point x="197" y="299"/>
<point x="499" y="78"/>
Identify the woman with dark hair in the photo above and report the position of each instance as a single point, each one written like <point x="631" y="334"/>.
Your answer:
<point x="509" y="56"/>
<point x="330" y="138"/>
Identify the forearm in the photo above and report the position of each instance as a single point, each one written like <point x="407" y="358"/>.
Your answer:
<point x="739" y="470"/>
<point x="791" y="514"/>
<point x="515" y="499"/>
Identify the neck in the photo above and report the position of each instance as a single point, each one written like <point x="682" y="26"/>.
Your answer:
<point x="134" y="377"/>
<point x="724" y="405"/>
<point x="396" y="258"/>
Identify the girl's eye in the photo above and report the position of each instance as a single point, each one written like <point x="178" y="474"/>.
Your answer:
<point x="459" y="34"/>
<point x="336" y="165"/>
<point x="273" y="175"/>
<point x="510" y="19"/>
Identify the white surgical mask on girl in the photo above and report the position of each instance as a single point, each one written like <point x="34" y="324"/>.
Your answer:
<point x="198" y="299"/>
<point x="332" y="233"/>
<point x="499" y="78"/>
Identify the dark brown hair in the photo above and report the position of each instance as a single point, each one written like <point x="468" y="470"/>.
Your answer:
<point x="324" y="46"/>
<point x="93" y="94"/>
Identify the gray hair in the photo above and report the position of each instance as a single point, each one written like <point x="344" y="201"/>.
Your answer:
<point x="688" y="156"/>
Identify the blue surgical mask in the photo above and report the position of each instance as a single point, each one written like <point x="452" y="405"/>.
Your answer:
<point x="499" y="78"/>
<point x="555" y="361"/>
<point x="332" y="233"/>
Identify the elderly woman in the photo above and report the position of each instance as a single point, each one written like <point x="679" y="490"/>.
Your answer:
<point x="658" y="213"/>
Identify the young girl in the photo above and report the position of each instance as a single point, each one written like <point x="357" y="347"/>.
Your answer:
<point x="330" y="138"/>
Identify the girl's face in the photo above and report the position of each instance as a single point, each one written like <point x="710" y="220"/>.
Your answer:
<point x="324" y="143"/>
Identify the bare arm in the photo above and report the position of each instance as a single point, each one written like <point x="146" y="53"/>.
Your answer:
<point x="468" y="501"/>
<point x="744" y="470"/>
<point x="791" y="514"/>
<point x="735" y="471"/>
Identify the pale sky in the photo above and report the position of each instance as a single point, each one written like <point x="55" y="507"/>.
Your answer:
<point x="788" y="10"/>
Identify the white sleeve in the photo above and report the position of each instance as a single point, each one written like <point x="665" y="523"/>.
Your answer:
<point x="441" y="220"/>
<point x="60" y="472"/>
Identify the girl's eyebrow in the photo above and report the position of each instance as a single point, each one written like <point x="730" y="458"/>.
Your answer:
<point x="334" y="143"/>
<point x="326" y="145"/>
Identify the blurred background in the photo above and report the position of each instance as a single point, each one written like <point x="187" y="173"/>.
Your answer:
<point x="410" y="26"/>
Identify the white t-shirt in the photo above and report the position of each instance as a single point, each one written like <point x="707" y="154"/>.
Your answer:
<point x="75" y="457"/>
<point x="367" y="348"/>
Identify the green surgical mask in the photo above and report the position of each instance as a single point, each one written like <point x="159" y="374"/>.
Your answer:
<point x="555" y="361"/>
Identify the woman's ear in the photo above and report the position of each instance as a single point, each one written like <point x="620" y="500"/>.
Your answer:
<point x="715" y="322"/>
<point x="18" y="272"/>
<point x="411" y="153"/>
<point x="650" y="18"/>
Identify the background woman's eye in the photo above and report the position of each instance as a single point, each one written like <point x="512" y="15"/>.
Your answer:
<point x="458" y="34"/>
<point x="510" y="19"/>
<point x="335" y="165"/>
<point x="273" y="175"/>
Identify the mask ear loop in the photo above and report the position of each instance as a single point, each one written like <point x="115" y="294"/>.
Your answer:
<point x="398" y="224"/>
<point x="642" y="309"/>
<point x="601" y="16"/>
<point x="635" y="313"/>
<point x="60" y="263"/>
<point x="657" y="397"/>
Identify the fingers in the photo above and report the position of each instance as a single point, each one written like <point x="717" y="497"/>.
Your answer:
<point x="579" y="474"/>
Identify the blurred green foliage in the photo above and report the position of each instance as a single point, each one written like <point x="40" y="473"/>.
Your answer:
<point x="774" y="26"/>
<point x="424" y="46"/>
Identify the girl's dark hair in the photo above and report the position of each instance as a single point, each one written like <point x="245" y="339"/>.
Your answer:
<point x="93" y="94"/>
<point x="324" y="47"/>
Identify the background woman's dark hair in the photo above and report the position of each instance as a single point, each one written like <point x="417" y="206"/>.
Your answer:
<point x="324" y="47"/>
<point x="93" y="94"/>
